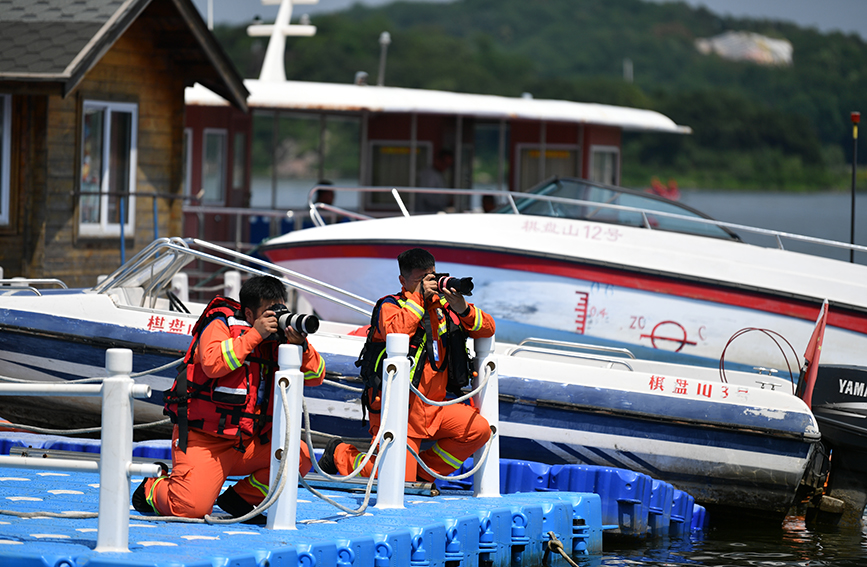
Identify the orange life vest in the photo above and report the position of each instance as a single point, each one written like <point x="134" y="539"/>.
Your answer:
<point x="234" y="404"/>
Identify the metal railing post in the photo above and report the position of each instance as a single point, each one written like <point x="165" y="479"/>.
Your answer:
<point x="486" y="482"/>
<point x="116" y="452"/>
<point x="281" y="516"/>
<point x="392" y="468"/>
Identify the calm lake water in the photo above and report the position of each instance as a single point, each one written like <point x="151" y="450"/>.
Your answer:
<point x="822" y="215"/>
<point x="790" y="545"/>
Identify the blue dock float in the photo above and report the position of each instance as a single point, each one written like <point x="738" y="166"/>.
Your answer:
<point x="634" y="505"/>
<point x="429" y="532"/>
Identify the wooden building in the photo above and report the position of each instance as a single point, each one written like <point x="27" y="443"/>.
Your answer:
<point x="92" y="128"/>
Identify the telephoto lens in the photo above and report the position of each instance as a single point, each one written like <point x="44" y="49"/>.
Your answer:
<point x="302" y="323"/>
<point x="463" y="286"/>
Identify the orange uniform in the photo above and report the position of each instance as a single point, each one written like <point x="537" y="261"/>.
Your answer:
<point x="199" y="473"/>
<point x="459" y="430"/>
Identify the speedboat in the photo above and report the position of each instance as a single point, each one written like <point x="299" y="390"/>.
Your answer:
<point x="578" y="261"/>
<point x="734" y="440"/>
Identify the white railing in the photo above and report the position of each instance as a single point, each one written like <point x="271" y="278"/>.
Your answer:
<point x="115" y="464"/>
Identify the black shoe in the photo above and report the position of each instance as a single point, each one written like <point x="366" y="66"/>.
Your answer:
<point x="140" y="499"/>
<point x="232" y="503"/>
<point x="326" y="462"/>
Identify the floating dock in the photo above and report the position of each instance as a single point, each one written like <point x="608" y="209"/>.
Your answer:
<point x="549" y="507"/>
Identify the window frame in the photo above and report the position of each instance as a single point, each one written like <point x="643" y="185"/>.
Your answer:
<point x="224" y="161"/>
<point x="104" y="228"/>
<point x="598" y="149"/>
<point x="5" y="159"/>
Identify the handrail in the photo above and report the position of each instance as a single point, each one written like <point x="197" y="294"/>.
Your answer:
<point x="116" y="464"/>
<point x="20" y="288"/>
<point x="165" y="257"/>
<point x="585" y="346"/>
<point x="581" y="355"/>
<point x="512" y="195"/>
<point x="32" y="281"/>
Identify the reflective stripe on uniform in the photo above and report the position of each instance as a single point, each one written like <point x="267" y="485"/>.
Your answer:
<point x="358" y="459"/>
<point x="414" y="307"/>
<point x="150" y="496"/>
<point x="231" y="391"/>
<point x="477" y="323"/>
<point x="445" y="456"/>
<point x="318" y="373"/>
<point x="229" y="354"/>
<point x="263" y="488"/>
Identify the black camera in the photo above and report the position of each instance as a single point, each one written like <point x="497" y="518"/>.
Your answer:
<point x="463" y="286"/>
<point x="305" y="324"/>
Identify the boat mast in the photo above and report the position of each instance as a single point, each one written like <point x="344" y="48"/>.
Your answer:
<point x="273" y="67"/>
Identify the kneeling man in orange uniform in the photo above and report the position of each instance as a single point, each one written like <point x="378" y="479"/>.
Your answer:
<point x="221" y="406"/>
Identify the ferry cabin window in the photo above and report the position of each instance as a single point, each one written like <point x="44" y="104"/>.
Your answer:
<point x="108" y="167"/>
<point x="5" y="161"/>
<point x="390" y="167"/>
<point x="605" y="165"/>
<point x="214" y="166"/>
<point x="239" y="160"/>
<point x="560" y="161"/>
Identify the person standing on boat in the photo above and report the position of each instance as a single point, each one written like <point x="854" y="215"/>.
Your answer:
<point x="433" y="177"/>
<point x="221" y="406"/>
<point x="419" y="311"/>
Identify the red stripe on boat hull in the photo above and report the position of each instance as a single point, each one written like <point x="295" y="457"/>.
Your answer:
<point x="759" y="301"/>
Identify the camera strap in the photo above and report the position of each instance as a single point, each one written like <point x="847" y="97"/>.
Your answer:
<point x="430" y="344"/>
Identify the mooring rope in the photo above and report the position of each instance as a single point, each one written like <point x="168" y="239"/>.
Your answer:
<point x="460" y="400"/>
<point x="467" y="474"/>
<point x="556" y="546"/>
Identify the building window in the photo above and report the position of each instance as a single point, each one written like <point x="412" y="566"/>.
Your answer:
<point x="108" y="167"/>
<point x="605" y="164"/>
<point x="5" y="159"/>
<point x="214" y="166"/>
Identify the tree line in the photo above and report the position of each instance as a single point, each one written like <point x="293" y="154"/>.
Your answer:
<point x="753" y="126"/>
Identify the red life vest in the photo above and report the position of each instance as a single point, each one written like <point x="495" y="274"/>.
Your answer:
<point x="230" y="404"/>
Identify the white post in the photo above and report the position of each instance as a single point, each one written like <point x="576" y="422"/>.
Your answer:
<point x="232" y="284"/>
<point x="281" y="516"/>
<point x="181" y="286"/>
<point x="486" y="482"/>
<point x="116" y="452"/>
<point x="392" y="467"/>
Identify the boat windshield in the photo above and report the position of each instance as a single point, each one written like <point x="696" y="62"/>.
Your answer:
<point x="582" y="200"/>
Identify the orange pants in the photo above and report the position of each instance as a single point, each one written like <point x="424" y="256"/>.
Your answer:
<point x="198" y="475"/>
<point x="462" y="431"/>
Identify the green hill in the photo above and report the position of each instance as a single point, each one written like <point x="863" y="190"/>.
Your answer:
<point x="754" y="126"/>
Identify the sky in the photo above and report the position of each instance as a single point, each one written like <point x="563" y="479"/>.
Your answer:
<point x="848" y="16"/>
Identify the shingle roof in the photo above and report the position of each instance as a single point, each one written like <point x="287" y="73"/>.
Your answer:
<point x="43" y="37"/>
<point x="58" y="41"/>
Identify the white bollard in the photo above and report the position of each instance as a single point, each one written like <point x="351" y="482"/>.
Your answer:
<point x="116" y="452"/>
<point x="486" y="481"/>
<point x="232" y="284"/>
<point x="392" y="467"/>
<point x="281" y="516"/>
<point x="181" y="286"/>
